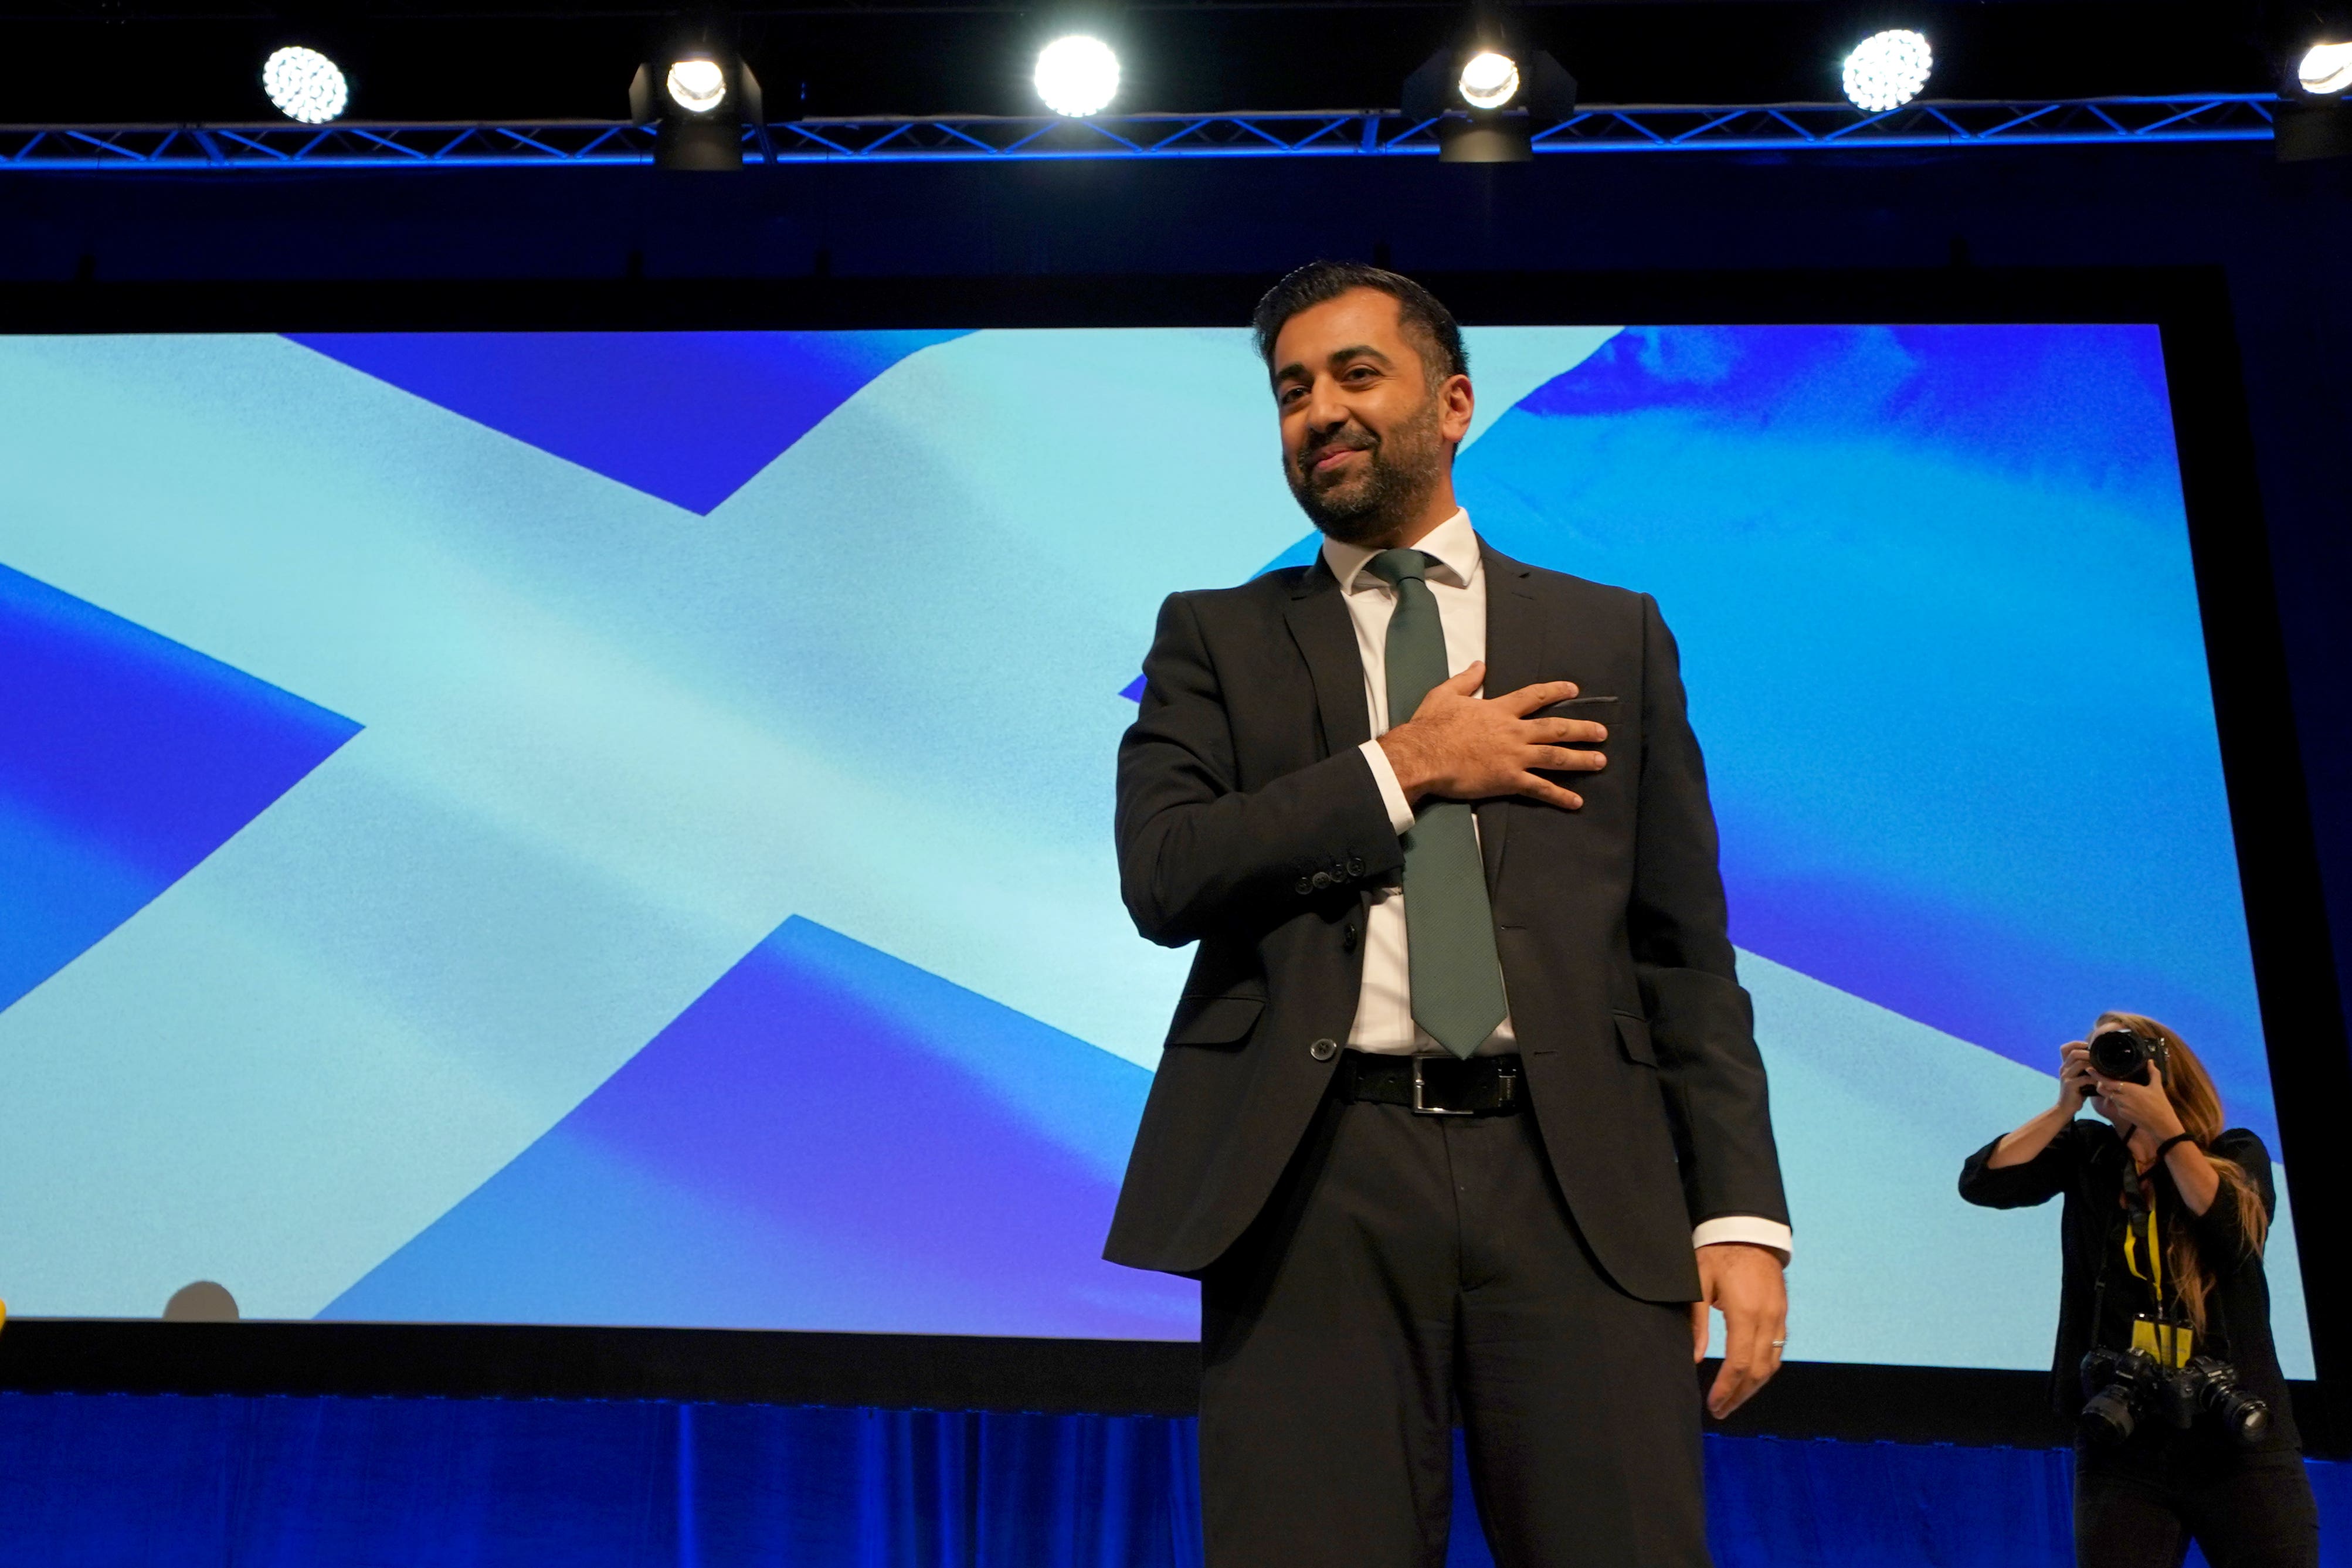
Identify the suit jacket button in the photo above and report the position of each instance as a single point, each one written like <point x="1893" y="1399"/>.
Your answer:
<point x="1355" y="865"/>
<point x="1305" y="886"/>
<point x="1320" y="879"/>
<point x="1347" y="941"/>
<point x="1324" y="1050"/>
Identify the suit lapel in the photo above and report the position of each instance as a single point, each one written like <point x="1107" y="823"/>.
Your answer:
<point x="1326" y="636"/>
<point x="1515" y="652"/>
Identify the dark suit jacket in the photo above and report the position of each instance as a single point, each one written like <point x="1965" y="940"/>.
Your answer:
<point x="1248" y="822"/>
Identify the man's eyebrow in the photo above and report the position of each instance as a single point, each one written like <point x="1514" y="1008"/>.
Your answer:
<point x="1296" y="369"/>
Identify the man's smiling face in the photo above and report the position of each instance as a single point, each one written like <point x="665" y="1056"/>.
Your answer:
<point x="1367" y="433"/>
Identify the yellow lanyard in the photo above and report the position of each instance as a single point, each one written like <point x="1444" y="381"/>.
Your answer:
<point x="2155" y="1274"/>
<point x="2170" y="1343"/>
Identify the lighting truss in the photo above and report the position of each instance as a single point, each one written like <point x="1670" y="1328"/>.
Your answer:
<point x="1338" y="134"/>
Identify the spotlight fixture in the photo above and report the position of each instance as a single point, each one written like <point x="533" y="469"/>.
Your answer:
<point x="2325" y="71"/>
<point x="1077" y="76"/>
<point x="696" y="84"/>
<point x="706" y="96"/>
<point x="1487" y="95"/>
<point x="2315" y="112"/>
<point x="1488" y="79"/>
<point x="305" y="85"/>
<point x="1887" y="69"/>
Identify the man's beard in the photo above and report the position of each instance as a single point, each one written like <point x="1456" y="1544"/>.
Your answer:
<point x="1398" y="473"/>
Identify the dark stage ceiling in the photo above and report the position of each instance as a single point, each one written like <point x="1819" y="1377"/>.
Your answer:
<point x="113" y="61"/>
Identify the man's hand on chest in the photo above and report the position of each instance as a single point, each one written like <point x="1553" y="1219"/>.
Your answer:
<point x="1465" y="747"/>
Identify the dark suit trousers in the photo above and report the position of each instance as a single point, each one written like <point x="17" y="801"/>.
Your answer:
<point x="1406" y="1268"/>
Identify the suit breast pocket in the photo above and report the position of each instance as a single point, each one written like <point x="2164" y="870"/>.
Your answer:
<point x="1598" y="710"/>
<point x="1224" y="1019"/>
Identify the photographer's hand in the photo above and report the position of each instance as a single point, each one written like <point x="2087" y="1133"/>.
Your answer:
<point x="2145" y="1108"/>
<point x="2146" y="1112"/>
<point x="2074" y="1077"/>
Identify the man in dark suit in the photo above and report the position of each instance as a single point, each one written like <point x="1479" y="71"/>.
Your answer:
<point x="1461" y="1111"/>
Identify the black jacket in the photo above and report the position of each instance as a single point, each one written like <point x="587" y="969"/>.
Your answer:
<point x="2086" y="1163"/>
<point x="1249" y="822"/>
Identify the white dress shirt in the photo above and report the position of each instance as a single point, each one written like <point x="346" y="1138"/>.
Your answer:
<point x="1457" y="581"/>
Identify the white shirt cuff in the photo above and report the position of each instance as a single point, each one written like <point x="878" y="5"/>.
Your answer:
<point x="1747" y="1228"/>
<point x="1392" y="792"/>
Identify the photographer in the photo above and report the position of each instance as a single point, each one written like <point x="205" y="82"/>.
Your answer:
<point x="2164" y="1319"/>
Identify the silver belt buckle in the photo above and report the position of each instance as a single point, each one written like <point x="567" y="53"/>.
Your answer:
<point x="1419" y="1103"/>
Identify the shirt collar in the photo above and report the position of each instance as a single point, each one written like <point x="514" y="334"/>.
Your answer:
<point x="1452" y="543"/>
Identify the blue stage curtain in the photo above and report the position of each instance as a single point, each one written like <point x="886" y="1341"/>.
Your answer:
<point x="93" y="1481"/>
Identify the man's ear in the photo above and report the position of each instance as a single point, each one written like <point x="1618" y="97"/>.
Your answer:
<point x="1455" y="404"/>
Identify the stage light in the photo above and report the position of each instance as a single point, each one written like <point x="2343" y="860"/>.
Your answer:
<point x="305" y="85"/>
<point x="706" y="98"/>
<point x="1887" y="69"/>
<point x="2314" y="116"/>
<point x="1486" y="93"/>
<point x="1077" y="76"/>
<point x="1488" y="80"/>
<point x="2325" y="69"/>
<point x="695" y="85"/>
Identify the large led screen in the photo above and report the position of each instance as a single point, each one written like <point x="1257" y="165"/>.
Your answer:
<point x="616" y="827"/>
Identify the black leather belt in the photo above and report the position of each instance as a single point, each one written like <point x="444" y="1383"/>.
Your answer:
<point x="1434" y="1086"/>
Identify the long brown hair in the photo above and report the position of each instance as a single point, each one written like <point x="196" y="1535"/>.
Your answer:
<point x="2194" y="1101"/>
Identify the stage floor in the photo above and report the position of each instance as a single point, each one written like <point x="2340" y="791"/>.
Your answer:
<point x="97" y="1480"/>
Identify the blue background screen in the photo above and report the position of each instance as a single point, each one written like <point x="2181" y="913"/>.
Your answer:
<point x="614" y="828"/>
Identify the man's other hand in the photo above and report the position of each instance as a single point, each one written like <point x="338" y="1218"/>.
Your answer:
<point x="1743" y="1281"/>
<point x="1468" y="748"/>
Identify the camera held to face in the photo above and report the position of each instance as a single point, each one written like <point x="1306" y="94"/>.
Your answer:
<point x="2127" y="1387"/>
<point x="2125" y="1056"/>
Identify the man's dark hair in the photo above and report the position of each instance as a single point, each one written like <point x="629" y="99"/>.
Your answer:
<point x="1428" y="323"/>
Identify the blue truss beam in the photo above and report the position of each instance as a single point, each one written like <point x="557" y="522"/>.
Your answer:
<point x="1337" y="133"/>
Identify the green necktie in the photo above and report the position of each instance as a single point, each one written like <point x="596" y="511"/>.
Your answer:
<point x="1456" y="974"/>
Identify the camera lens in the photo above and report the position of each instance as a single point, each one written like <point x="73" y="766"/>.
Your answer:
<point x="2110" y="1379"/>
<point x="2240" y="1415"/>
<point x="2107" y="1419"/>
<point x="2120" y="1054"/>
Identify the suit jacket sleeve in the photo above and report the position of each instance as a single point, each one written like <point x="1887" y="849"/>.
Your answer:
<point x="1194" y="845"/>
<point x="1701" y="1023"/>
